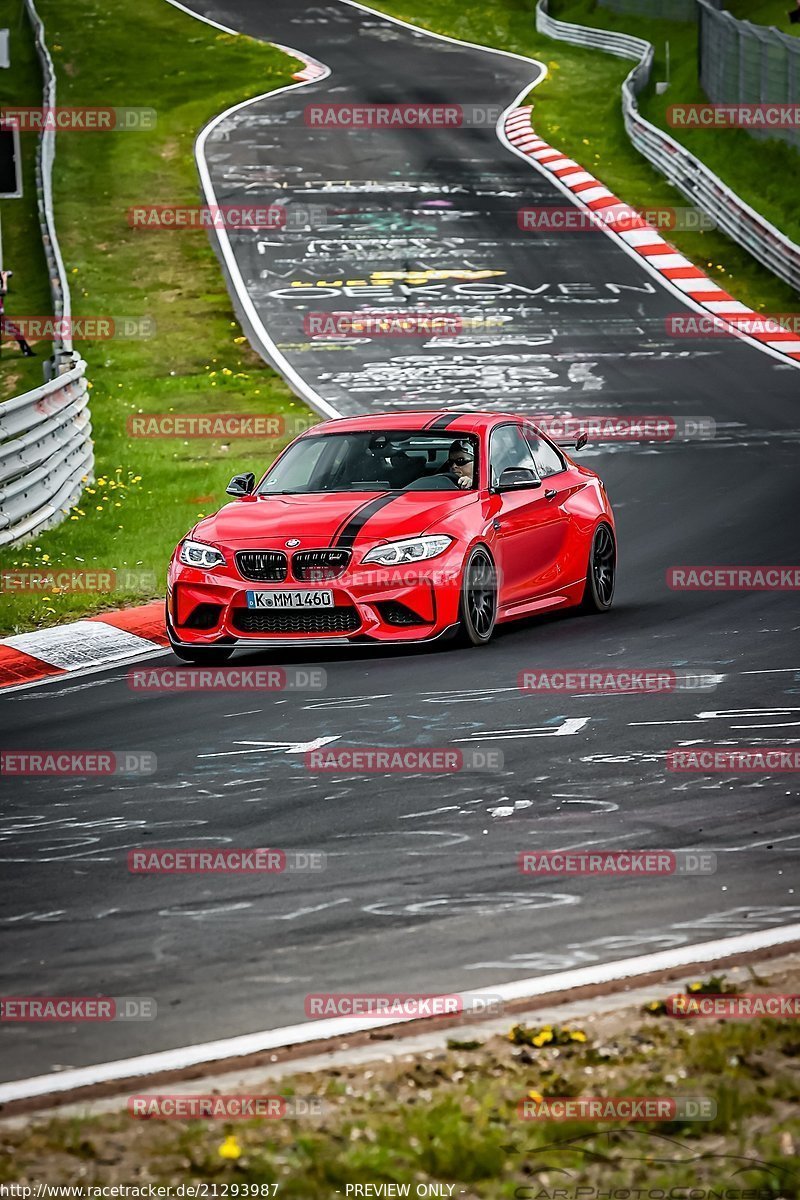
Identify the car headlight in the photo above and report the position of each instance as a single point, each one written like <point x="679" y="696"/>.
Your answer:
<point x="408" y="550"/>
<point x="198" y="554"/>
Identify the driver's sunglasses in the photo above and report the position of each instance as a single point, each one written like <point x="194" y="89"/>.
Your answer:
<point x="460" y="462"/>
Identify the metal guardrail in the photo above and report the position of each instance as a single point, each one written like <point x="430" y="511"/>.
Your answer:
<point x="46" y="452"/>
<point x="688" y="174"/>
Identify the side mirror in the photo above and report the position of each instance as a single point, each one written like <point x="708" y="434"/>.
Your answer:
<point x="241" y="485"/>
<point x="517" y="477"/>
<point x="581" y="442"/>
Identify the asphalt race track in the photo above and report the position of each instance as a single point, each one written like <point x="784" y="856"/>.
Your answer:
<point x="422" y="891"/>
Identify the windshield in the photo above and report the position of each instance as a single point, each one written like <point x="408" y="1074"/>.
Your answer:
<point x="375" y="461"/>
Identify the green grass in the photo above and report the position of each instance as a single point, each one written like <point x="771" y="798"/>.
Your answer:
<point x="21" y="85"/>
<point x="148" y="492"/>
<point x="451" y="1117"/>
<point x="765" y="12"/>
<point x="577" y="108"/>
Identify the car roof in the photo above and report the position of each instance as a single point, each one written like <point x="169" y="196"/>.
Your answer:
<point x="442" y="420"/>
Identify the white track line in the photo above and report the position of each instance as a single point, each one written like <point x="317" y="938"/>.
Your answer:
<point x="313" y="1031"/>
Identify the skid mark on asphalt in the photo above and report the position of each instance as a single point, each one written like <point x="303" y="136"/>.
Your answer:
<point x="471" y="904"/>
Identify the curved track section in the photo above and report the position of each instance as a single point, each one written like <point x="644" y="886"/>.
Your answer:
<point x="422" y="891"/>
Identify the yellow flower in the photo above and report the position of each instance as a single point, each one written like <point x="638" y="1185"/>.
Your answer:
<point x="577" y="1035"/>
<point x="230" y="1148"/>
<point x="694" y="987"/>
<point x="537" y="1097"/>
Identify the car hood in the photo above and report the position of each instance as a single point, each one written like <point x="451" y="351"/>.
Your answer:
<point x="316" y="520"/>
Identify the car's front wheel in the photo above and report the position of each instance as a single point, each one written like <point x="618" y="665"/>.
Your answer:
<point x="478" y="609"/>
<point x="601" y="574"/>
<point x="207" y="656"/>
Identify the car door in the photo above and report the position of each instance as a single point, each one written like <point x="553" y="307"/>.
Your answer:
<point x="522" y="517"/>
<point x="551" y="569"/>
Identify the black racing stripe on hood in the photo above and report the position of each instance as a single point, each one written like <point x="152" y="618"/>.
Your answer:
<point x="345" y="520"/>
<point x="345" y="537"/>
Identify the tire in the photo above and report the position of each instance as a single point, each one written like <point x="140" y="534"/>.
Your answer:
<point x="601" y="573"/>
<point x="478" y="605"/>
<point x="207" y="656"/>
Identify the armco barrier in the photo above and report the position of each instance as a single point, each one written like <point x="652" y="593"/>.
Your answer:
<point x="45" y="454"/>
<point x="686" y="172"/>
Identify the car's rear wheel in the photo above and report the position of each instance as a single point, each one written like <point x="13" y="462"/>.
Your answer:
<point x="601" y="573"/>
<point x="478" y="609"/>
<point x="207" y="656"/>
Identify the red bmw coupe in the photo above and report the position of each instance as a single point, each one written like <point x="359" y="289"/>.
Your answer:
<point x="395" y="528"/>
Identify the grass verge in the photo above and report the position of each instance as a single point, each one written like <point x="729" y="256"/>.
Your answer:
<point x="451" y="1118"/>
<point x="577" y="108"/>
<point x="148" y="492"/>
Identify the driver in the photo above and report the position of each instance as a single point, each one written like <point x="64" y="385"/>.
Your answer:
<point x="460" y="463"/>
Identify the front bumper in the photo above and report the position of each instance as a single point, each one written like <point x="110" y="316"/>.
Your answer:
<point x="412" y="603"/>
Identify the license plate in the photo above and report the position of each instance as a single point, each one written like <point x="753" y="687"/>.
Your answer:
<point x="291" y="598"/>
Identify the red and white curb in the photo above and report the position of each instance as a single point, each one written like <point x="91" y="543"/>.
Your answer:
<point x="642" y="239"/>
<point x="101" y="641"/>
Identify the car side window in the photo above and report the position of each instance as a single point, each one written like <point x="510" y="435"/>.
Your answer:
<point x="548" y="460"/>
<point x="508" y="448"/>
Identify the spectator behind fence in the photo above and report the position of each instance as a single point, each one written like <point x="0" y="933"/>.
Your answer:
<point x="7" y="326"/>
